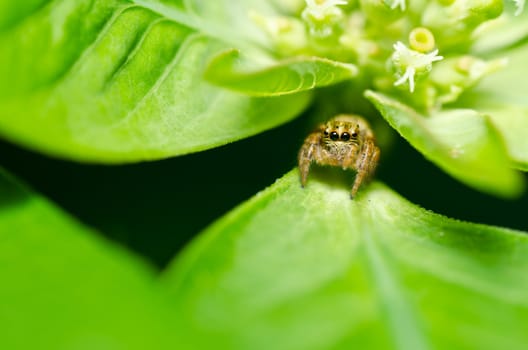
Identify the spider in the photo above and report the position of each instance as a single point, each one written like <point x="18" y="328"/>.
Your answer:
<point x="346" y="141"/>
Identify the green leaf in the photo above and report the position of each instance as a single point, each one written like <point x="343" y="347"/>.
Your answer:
<point x="65" y="287"/>
<point x="115" y="81"/>
<point x="463" y="142"/>
<point x="309" y="268"/>
<point x="285" y="77"/>
<point x="502" y="96"/>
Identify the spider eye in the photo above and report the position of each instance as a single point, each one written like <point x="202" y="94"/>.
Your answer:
<point x="355" y="133"/>
<point x="326" y="132"/>
<point x="334" y="136"/>
<point x="345" y="136"/>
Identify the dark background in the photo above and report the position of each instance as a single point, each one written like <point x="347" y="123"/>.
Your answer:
<point x="156" y="207"/>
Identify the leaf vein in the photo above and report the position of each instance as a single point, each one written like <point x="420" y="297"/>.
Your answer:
<point x="134" y="49"/>
<point x="84" y="54"/>
<point x="401" y="319"/>
<point x="164" y="75"/>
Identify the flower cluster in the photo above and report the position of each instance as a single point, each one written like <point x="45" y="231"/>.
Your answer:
<point x="397" y="43"/>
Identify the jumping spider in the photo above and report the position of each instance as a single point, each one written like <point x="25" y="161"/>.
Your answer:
<point x="346" y="141"/>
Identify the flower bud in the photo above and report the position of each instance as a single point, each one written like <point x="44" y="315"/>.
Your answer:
<point x="422" y="40"/>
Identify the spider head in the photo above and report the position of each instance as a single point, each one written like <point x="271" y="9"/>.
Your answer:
<point x="340" y="132"/>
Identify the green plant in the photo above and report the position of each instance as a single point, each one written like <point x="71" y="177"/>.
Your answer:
<point x="115" y="82"/>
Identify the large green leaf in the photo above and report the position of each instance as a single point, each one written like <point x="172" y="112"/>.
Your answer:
<point x="63" y="286"/>
<point x="463" y="142"/>
<point x="503" y="96"/>
<point x="310" y="268"/>
<point x="116" y="81"/>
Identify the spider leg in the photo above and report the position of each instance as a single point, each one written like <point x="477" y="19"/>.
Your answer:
<point x="373" y="162"/>
<point x="307" y="155"/>
<point x="365" y="165"/>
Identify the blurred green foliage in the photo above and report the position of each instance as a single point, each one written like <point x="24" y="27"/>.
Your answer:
<point x="99" y="254"/>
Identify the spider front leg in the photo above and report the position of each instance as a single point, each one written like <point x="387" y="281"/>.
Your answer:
<point x="373" y="163"/>
<point x="307" y="154"/>
<point x="365" y="165"/>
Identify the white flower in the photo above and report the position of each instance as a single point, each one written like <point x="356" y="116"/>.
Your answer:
<point x="322" y="8"/>
<point x="396" y="3"/>
<point x="520" y="6"/>
<point x="324" y="4"/>
<point x="411" y="62"/>
<point x="322" y="15"/>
